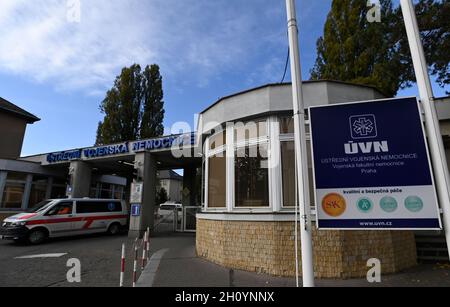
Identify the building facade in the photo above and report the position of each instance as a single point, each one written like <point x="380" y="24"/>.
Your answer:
<point x="250" y="189"/>
<point x="170" y="181"/>
<point x="239" y="167"/>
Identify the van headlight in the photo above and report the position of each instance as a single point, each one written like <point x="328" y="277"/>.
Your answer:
<point x="19" y="224"/>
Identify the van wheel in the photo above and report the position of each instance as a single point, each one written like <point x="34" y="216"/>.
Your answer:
<point x="37" y="236"/>
<point x="114" y="229"/>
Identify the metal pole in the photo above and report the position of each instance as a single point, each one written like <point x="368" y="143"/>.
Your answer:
<point x="300" y="150"/>
<point x="431" y="119"/>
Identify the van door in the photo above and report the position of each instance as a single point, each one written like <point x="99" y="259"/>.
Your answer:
<point x="59" y="219"/>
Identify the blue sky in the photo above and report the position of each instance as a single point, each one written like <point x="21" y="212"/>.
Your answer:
<point x="206" y="49"/>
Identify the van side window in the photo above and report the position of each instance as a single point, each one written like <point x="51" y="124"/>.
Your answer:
<point x="98" y="207"/>
<point x="61" y="209"/>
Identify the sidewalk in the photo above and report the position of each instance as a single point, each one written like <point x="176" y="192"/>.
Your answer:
<point x="175" y="264"/>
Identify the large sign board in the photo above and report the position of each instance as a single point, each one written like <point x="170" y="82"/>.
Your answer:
<point x="121" y="149"/>
<point x="372" y="167"/>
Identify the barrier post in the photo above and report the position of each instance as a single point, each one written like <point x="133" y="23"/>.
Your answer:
<point x="122" y="266"/>
<point x="135" y="265"/>
<point x="144" y="251"/>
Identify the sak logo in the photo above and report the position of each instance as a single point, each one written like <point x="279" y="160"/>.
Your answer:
<point x="364" y="127"/>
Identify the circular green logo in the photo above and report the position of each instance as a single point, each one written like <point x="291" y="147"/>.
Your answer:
<point x="365" y="205"/>
<point x="388" y="204"/>
<point x="414" y="204"/>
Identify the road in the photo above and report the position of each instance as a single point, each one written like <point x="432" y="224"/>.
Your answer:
<point x="179" y="267"/>
<point x="99" y="256"/>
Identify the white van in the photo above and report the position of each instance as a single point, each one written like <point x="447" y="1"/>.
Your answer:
<point x="66" y="217"/>
<point x="167" y="210"/>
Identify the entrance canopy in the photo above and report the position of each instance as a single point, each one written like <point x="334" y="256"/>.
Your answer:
<point x="171" y="152"/>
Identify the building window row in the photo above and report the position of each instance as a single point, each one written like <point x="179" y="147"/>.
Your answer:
<point x="251" y="166"/>
<point x="107" y="191"/>
<point x="21" y="191"/>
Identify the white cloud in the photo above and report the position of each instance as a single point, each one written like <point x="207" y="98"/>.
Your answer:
<point x="200" y="38"/>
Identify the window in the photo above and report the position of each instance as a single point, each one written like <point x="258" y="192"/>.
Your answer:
<point x="218" y="140"/>
<point x="98" y="207"/>
<point x="14" y="190"/>
<point x="217" y="181"/>
<point x="288" y="166"/>
<point x="106" y="191"/>
<point x="40" y="207"/>
<point x="59" y="189"/>
<point x="203" y="180"/>
<point x="250" y="130"/>
<point x="94" y="191"/>
<point x="251" y="177"/>
<point x="118" y="192"/>
<point x="61" y="209"/>
<point x="38" y="190"/>
<point x="288" y="172"/>
<point x="287" y="125"/>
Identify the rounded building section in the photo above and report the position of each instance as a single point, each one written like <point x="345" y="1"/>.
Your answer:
<point x="249" y="189"/>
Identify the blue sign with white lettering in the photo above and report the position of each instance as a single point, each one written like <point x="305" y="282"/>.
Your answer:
<point x="105" y="151"/>
<point x="372" y="167"/>
<point x="123" y="149"/>
<point x="135" y="210"/>
<point x="65" y="156"/>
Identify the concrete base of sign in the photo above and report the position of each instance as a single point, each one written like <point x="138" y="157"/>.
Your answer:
<point x="268" y="247"/>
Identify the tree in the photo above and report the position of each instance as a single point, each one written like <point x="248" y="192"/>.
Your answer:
<point x="161" y="196"/>
<point x="153" y="111"/>
<point x="377" y="54"/>
<point x="134" y="107"/>
<point x="434" y="24"/>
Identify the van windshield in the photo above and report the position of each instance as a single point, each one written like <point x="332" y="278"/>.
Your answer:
<point x="167" y="207"/>
<point x="40" y="206"/>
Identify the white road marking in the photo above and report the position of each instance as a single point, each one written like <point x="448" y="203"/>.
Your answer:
<point x="42" y="256"/>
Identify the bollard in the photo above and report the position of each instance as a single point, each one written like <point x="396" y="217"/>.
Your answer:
<point x="147" y="256"/>
<point x="144" y="251"/>
<point x="135" y="265"/>
<point x="122" y="266"/>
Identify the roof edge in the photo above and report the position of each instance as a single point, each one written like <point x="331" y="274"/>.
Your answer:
<point x="286" y="84"/>
<point x="9" y="107"/>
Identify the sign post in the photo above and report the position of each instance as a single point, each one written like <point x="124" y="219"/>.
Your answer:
<point x="372" y="168"/>
<point x="432" y="122"/>
<point x="300" y="154"/>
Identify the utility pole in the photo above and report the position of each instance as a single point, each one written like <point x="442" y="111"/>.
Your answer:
<point x="431" y="118"/>
<point x="300" y="150"/>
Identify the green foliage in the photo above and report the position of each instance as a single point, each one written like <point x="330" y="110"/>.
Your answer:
<point x="153" y="107"/>
<point x="161" y="196"/>
<point x="434" y="24"/>
<point x="134" y="107"/>
<point x="377" y="54"/>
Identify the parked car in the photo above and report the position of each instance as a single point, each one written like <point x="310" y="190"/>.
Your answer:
<point x="167" y="210"/>
<point x="66" y="217"/>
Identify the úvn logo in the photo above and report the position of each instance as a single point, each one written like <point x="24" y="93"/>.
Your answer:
<point x="363" y="127"/>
